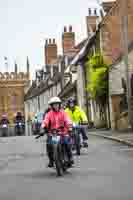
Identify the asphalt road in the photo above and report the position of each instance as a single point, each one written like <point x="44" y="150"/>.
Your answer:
<point x="104" y="172"/>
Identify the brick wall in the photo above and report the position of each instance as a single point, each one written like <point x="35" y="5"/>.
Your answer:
<point x="50" y="52"/>
<point x="68" y="42"/>
<point x="91" y="21"/>
<point x="115" y="91"/>
<point x="111" y="30"/>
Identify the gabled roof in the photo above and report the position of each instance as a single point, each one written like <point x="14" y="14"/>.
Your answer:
<point x="43" y="86"/>
<point x="68" y="87"/>
<point x="82" y="53"/>
<point x="81" y="44"/>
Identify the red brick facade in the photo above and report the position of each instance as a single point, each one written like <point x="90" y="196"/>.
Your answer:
<point x="111" y="30"/>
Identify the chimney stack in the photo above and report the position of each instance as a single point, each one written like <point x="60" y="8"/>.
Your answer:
<point x="91" y="21"/>
<point x="107" y="5"/>
<point x="50" y="51"/>
<point x="68" y="41"/>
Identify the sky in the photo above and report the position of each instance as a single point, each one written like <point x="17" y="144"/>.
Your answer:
<point x="25" y="24"/>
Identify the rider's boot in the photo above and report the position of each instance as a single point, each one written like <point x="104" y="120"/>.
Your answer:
<point x="71" y="161"/>
<point x="50" y="156"/>
<point x="70" y="156"/>
<point x="85" y="144"/>
<point x="85" y="137"/>
<point x="51" y="164"/>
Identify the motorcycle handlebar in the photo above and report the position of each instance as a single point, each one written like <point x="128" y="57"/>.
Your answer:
<point x="42" y="133"/>
<point x="38" y="136"/>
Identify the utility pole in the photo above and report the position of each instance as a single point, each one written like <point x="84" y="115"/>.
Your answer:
<point x="124" y="29"/>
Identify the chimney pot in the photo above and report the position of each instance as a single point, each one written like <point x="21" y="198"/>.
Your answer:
<point x="89" y="11"/>
<point x="49" y="41"/>
<point x="70" y="28"/>
<point x="95" y="12"/>
<point x="65" y="29"/>
<point x="46" y="42"/>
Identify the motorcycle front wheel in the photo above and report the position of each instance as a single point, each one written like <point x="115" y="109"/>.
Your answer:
<point x="58" y="159"/>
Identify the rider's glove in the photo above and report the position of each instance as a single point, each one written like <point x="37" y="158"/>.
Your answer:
<point x="70" y="129"/>
<point x="41" y="131"/>
<point x="75" y="125"/>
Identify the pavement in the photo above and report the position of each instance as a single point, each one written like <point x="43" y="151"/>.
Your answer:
<point x="103" y="172"/>
<point x="125" y="137"/>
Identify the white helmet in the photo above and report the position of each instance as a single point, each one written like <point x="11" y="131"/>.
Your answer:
<point x="54" y="100"/>
<point x="36" y="115"/>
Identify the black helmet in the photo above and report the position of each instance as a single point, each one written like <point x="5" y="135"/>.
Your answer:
<point x="71" y="100"/>
<point x="19" y="113"/>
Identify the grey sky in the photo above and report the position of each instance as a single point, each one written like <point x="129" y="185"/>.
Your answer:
<point x="24" y="25"/>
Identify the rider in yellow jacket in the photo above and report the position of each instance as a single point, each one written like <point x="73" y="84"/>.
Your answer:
<point x="77" y="116"/>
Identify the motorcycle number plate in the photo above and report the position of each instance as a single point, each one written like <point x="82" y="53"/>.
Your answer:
<point x="4" y="126"/>
<point x="55" y="139"/>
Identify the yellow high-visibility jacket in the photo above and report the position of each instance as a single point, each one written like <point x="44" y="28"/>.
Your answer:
<point x="77" y="116"/>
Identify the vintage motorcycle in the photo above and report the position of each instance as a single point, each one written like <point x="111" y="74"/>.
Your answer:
<point x="19" y="128"/>
<point x="36" y="128"/>
<point x="77" y="139"/>
<point x="60" y="156"/>
<point x="4" y="130"/>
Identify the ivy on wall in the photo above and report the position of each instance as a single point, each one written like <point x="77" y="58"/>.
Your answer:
<point x="97" y="75"/>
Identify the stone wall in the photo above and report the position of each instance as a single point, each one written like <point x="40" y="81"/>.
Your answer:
<point x="116" y="91"/>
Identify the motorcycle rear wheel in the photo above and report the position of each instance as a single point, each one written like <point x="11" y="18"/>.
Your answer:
<point x="77" y="143"/>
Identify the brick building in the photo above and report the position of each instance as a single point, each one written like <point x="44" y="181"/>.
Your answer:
<point x="111" y="29"/>
<point x="109" y="34"/>
<point x="13" y="87"/>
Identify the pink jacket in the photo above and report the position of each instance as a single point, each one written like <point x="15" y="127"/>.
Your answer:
<point x="54" y="120"/>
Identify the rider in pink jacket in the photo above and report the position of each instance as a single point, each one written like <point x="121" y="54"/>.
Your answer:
<point x="57" y="119"/>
